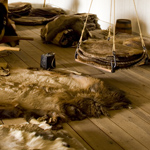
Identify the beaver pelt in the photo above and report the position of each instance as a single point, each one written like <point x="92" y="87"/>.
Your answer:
<point x="56" y="97"/>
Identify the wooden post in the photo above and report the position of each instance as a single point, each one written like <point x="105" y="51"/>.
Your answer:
<point x="44" y="3"/>
<point x="7" y="39"/>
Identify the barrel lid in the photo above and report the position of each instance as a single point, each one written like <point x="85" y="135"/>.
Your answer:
<point x="123" y="21"/>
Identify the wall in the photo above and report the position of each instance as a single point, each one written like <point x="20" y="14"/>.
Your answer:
<point x="123" y="9"/>
<point x="126" y="10"/>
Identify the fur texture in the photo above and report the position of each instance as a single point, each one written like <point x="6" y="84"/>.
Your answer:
<point x="62" y="23"/>
<point x="56" y="97"/>
<point x="100" y="54"/>
<point x="102" y="48"/>
<point x="136" y="43"/>
<point x="28" y="136"/>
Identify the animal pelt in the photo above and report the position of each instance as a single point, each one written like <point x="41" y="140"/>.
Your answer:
<point x="24" y="14"/>
<point x="61" y="23"/>
<point x="136" y="43"/>
<point x="6" y="27"/>
<point x="18" y="9"/>
<point x="92" y="20"/>
<point x="102" y="49"/>
<point x="56" y="97"/>
<point x="66" y="38"/>
<point x="29" y="136"/>
<point x="47" y="12"/>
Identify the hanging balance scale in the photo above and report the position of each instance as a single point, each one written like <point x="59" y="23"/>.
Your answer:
<point x="107" y="55"/>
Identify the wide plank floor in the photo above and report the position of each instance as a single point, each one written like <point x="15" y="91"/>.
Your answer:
<point x="127" y="129"/>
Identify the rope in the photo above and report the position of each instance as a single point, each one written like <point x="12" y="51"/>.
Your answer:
<point x="110" y="21"/>
<point x="142" y="41"/>
<point x="80" y="41"/>
<point x="114" y="64"/>
<point x="114" y="46"/>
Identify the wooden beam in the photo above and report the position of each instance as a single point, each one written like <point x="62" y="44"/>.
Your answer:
<point x="2" y="48"/>
<point x="7" y="39"/>
<point x="44" y="3"/>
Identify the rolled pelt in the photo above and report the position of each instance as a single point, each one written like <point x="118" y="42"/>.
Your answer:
<point x="61" y="23"/>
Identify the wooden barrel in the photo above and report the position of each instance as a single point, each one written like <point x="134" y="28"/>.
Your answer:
<point x="124" y="26"/>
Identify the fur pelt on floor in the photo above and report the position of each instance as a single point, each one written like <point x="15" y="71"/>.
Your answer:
<point x="29" y="136"/>
<point x="56" y="97"/>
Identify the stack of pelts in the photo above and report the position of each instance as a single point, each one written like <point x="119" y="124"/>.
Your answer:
<point x="92" y="22"/>
<point x="64" y="31"/>
<point x="47" y="12"/>
<point x="25" y="14"/>
<point x="19" y="9"/>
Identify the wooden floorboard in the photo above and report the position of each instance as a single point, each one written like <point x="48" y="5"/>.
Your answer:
<point x="127" y="129"/>
<point x="135" y="128"/>
<point x="74" y="134"/>
<point x="94" y="135"/>
<point x="118" y="134"/>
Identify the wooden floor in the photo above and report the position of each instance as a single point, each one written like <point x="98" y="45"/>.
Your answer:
<point x="127" y="129"/>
